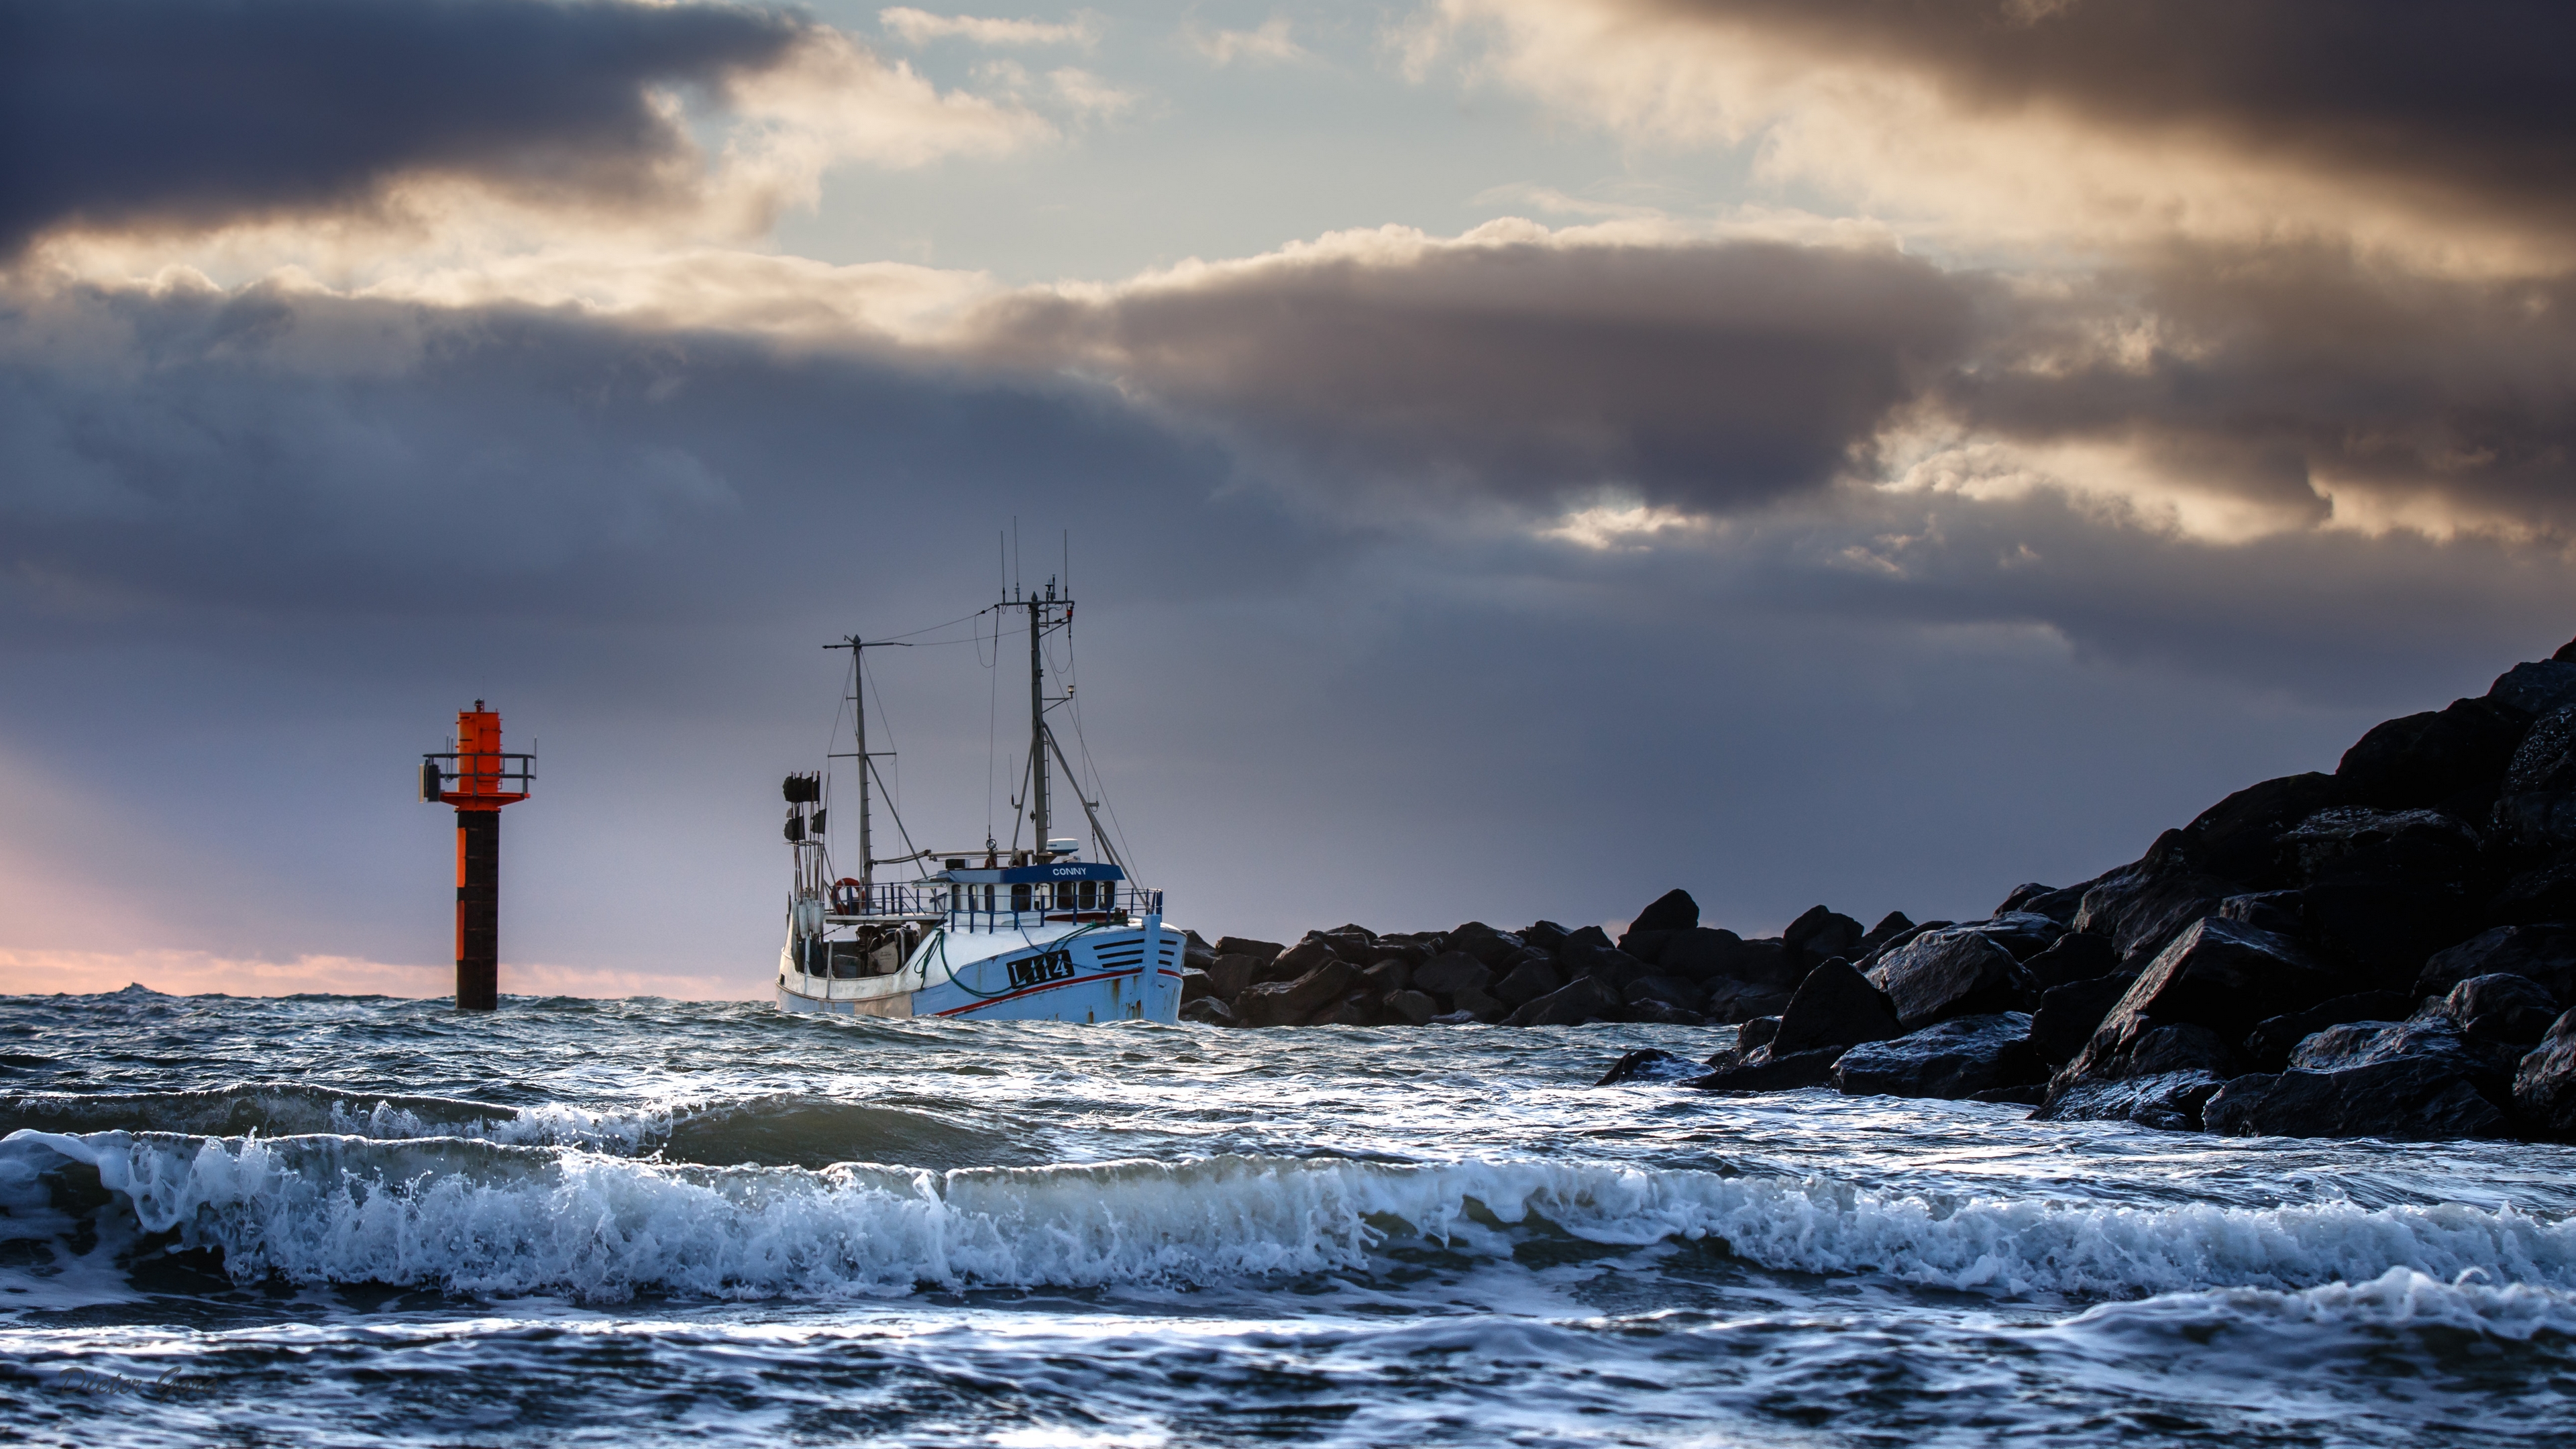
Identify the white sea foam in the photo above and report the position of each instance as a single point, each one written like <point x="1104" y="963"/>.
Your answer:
<point x="2398" y="1300"/>
<point x="484" y="1217"/>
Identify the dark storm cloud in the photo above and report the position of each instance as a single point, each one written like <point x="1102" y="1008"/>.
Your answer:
<point x="283" y="455"/>
<point x="1723" y="377"/>
<point x="254" y="546"/>
<point x="1709" y="375"/>
<point x="2469" y="99"/>
<point x="2275" y="369"/>
<point x="122" y="112"/>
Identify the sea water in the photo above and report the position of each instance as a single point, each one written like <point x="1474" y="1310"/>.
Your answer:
<point x="336" y="1220"/>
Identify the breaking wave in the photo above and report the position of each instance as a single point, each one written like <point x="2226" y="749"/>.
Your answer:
<point x="489" y="1216"/>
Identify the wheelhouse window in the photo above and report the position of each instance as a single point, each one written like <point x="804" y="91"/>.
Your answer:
<point x="1089" y="895"/>
<point x="1020" y="895"/>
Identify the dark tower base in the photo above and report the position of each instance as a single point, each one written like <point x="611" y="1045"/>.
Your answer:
<point x="478" y="910"/>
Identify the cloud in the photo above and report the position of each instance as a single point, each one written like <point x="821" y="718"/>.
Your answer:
<point x="920" y="27"/>
<point x="1269" y="42"/>
<point x="2302" y="379"/>
<point x="323" y="521"/>
<point x="162" y="112"/>
<point x="2439" y="133"/>
<point x="169" y="116"/>
<point x="1520" y="362"/>
<point x="2233" y="392"/>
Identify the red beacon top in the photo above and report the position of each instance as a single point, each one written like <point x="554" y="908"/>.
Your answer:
<point x="483" y="776"/>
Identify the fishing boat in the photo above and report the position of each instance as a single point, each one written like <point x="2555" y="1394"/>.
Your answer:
<point x="1046" y="931"/>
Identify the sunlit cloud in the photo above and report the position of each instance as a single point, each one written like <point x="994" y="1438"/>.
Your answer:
<point x="920" y="27"/>
<point x="1967" y="170"/>
<point x="1267" y="42"/>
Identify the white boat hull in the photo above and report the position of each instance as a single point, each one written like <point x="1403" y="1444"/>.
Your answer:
<point x="1076" y="973"/>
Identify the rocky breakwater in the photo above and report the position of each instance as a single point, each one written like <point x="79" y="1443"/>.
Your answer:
<point x="1666" y="968"/>
<point x="2388" y="950"/>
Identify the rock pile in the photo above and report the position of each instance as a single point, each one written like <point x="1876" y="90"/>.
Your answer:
<point x="2388" y="950"/>
<point x="1666" y="968"/>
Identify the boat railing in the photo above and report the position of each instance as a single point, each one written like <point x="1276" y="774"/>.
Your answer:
<point x="965" y="908"/>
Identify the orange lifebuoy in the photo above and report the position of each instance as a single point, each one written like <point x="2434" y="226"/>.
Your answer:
<point x="848" y="896"/>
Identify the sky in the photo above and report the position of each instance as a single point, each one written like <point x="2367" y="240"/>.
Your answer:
<point x="1514" y="457"/>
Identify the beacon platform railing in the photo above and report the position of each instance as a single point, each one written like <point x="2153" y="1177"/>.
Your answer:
<point x="991" y="907"/>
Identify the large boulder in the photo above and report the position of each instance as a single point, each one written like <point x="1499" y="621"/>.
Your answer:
<point x="1208" y="1011"/>
<point x="2170" y="1101"/>
<point x="2535" y="689"/>
<point x="2545" y="759"/>
<point x="1484" y="942"/>
<point x="2400" y="1099"/>
<point x="2544" y="893"/>
<point x="1299" y="959"/>
<point x="1957" y="972"/>
<point x="2076" y="956"/>
<point x="2239" y="838"/>
<point x="1451" y="972"/>
<point x="1292" y="1003"/>
<point x="1764" y="1072"/>
<point x="2283" y="913"/>
<point x="2058" y="905"/>
<point x="2023" y="933"/>
<point x="2370" y="1079"/>
<point x="1699" y="953"/>
<point x="1740" y="1001"/>
<point x="2536" y="821"/>
<point x="1547" y="936"/>
<point x="2269" y="1044"/>
<point x="1412" y="1008"/>
<point x="2364" y="1043"/>
<point x="2395" y="844"/>
<point x="1389" y="974"/>
<point x="2142" y="906"/>
<point x="1195" y="985"/>
<point x="1476" y="1005"/>
<point x="2219" y="976"/>
<point x="1888" y="927"/>
<point x="2068" y="1015"/>
<point x="1614" y="969"/>
<point x="1244" y="946"/>
<point x="2544" y="1084"/>
<point x="2383" y="889"/>
<point x="1578" y="1004"/>
<point x="1232" y="971"/>
<point x="1527" y="982"/>
<point x="1957" y="1058"/>
<point x="1765" y="963"/>
<point x="2506" y="1009"/>
<point x="2451" y="759"/>
<point x="1671" y="990"/>
<point x="1897" y="941"/>
<point x="1674" y="910"/>
<point x="1821" y="933"/>
<point x="2546" y="953"/>
<point x="1835" y="1006"/>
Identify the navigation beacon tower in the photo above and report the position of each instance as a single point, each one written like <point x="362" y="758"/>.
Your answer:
<point x="484" y="779"/>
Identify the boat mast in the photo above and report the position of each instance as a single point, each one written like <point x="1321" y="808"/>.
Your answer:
<point x="859" y="728"/>
<point x="1037" y="721"/>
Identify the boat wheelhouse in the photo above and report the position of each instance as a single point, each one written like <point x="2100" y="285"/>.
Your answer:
<point x="996" y="933"/>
